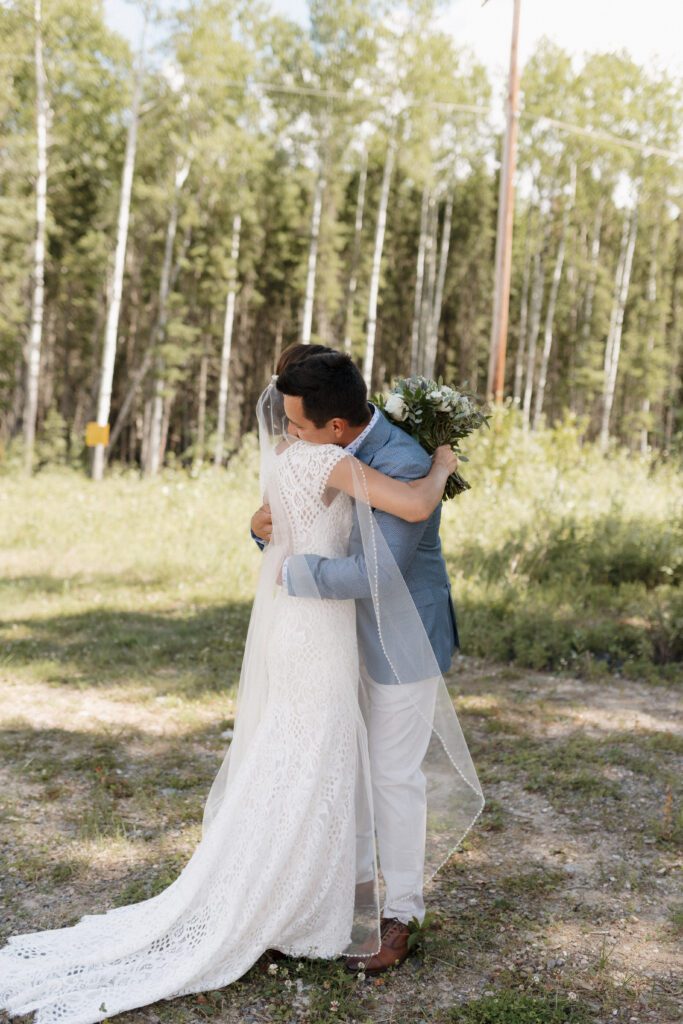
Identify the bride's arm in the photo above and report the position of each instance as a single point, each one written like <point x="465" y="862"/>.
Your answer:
<point x="413" y="501"/>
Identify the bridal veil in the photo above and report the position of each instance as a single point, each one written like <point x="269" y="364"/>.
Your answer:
<point x="453" y="793"/>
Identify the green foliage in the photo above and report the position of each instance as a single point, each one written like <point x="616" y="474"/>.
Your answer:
<point x="52" y="446"/>
<point x="517" y="1008"/>
<point x="419" y="931"/>
<point x="264" y="108"/>
<point x="554" y="570"/>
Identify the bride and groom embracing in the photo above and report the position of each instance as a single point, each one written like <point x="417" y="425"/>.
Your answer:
<point x="348" y="781"/>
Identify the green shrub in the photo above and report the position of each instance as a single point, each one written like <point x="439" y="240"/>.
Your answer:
<point x="562" y="557"/>
<point x="514" y="1008"/>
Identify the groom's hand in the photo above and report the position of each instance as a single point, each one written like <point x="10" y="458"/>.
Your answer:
<point x="262" y="523"/>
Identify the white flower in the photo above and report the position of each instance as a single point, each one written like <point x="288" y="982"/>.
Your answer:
<point x="361" y="976"/>
<point x="396" y="407"/>
<point x="334" y="1006"/>
<point x="435" y="396"/>
<point x="272" y="969"/>
<point x="288" y="983"/>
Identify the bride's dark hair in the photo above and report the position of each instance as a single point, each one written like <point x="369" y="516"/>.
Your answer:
<point x="298" y="351"/>
<point x="330" y="385"/>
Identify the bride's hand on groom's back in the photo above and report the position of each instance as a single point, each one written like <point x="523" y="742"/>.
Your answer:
<point x="262" y="524"/>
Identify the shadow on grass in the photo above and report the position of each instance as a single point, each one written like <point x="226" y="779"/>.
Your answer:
<point x="47" y="583"/>
<point x="174" y="650"/>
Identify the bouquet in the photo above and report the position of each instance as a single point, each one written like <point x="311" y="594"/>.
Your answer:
<point x="434" y="414"/>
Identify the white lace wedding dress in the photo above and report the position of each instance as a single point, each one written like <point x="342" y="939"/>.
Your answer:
<point x="276" y="868"/>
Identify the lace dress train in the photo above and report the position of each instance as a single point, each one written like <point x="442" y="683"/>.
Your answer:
<point x="276" y="866"/>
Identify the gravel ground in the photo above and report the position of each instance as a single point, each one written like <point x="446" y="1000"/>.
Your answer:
<point x="569" y="886"/>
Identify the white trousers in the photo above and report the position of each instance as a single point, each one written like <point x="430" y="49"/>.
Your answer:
<point x="398" y="718"/>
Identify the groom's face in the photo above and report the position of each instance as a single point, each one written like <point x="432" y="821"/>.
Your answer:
<point x="299" y="425"/>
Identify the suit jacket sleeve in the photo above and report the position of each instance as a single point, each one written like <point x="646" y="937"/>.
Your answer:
<point x="344" y="578"/>
<point x="259" y="543"/>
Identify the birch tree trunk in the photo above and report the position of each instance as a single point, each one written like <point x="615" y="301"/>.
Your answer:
<point x="279" y="332"/>
<point x="651" y="298"/>
<point x="307" y="321"/>
<point x="154" y="450"/>
<point x="593" y="277"/>
<point x="36" y="333"/>
<point x="552" y="302"/>
<point x="201" y="412"/>
<point x="673" y="336"/>
<point x="369" y="359"/>
<point x="355" y="255"/>
<point x="435" y="318"/>
<point x="524" y="314"/>
<point x="111" y="330"/>
<point x="534" y="327"/>
<point x="146" y="416"/>
<point x="146" y="364"/>
<point x="611" y="332"/>
<point x="419" y="281"/>
<point x="169" y="399"/>
<point x="227" y="341"/>
<point x="428" y="286"/>
<point x="613" y="346"/>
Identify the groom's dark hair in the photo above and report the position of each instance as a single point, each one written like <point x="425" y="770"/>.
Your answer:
<point x="330" y="386"/>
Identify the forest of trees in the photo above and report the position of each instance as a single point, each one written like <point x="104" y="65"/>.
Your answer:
<point x="171" y="219"/>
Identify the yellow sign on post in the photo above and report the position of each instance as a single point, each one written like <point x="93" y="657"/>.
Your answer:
<point x="95" y="434"/>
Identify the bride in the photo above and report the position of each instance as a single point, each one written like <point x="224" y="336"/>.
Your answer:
<point x="276" y="865"/>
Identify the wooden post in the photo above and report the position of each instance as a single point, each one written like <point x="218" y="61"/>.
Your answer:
<point x="506" y="208"/>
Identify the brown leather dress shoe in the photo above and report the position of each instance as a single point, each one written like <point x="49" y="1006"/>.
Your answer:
<point x="393" y="951"/>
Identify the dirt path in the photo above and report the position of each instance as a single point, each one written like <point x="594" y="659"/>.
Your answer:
<point x="570" y="885"/>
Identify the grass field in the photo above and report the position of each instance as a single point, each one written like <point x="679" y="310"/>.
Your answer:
<point x="123" y="611"/>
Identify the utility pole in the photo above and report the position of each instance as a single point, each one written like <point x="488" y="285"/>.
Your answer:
<point x="506" y="209"/>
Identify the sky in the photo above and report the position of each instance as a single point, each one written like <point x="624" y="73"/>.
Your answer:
<point x="651" y="31"/>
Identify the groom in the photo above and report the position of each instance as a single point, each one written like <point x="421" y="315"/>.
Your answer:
<point x="325" y="401"/>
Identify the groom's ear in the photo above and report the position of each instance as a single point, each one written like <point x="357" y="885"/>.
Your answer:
<point x="338" y="426"/>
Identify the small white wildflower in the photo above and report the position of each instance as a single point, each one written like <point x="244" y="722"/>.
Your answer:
<point x="572" y="996"/>
<point x="288" y="983"/>
<point x="273" y="969"/>
<point x="300" y="966"/>
<point x="334" y="1006"/>
<point x="361" y="975"/>
<point x="537" y="977"/>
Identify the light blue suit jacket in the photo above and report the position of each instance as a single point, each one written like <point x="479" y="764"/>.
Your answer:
<point x="415" y="546"/>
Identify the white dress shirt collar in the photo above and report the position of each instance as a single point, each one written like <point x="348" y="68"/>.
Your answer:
<point x="353" y="447"/>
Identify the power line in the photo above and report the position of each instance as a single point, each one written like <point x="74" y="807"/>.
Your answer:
<point x="647" y="149"/>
